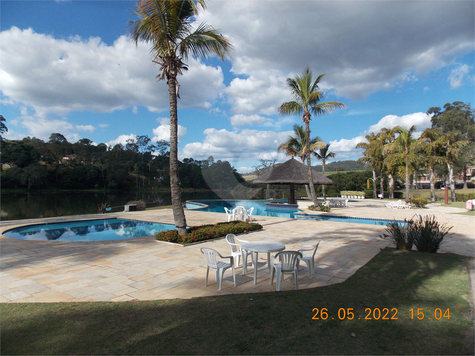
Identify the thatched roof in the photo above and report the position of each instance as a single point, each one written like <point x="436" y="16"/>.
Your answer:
<point x="294" y="172"/>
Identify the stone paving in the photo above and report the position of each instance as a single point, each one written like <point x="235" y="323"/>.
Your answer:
<point x="145" y="269"/>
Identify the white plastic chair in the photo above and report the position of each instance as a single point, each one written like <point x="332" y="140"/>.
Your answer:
<point x="218" y="267"/>
<point x="249" y="214"/>
<point x="229" y="214"/>
<point x="310" y="258"/>
<point x="240" y="213"/>
<point x="236" y="250"/>
<point x="288" y="263"/>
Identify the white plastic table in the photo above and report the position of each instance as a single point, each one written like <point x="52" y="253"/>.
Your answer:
<point x="260" y="246"/>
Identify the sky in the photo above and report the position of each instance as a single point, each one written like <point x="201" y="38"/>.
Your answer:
<point x="69" y="67"/>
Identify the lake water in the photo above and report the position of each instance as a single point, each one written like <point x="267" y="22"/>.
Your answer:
<point x="37" y="204"/>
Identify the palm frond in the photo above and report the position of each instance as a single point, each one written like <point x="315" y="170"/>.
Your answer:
<point x="291" y="107"/>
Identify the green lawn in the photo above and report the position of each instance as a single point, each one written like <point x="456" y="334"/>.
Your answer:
<point x="268" y="323"/>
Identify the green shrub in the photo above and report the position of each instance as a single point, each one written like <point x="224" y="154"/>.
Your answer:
<point x="429" y="234"/>
<point x="418" y="202"/>
<point x="320" y="207"/>
<point x="401" y="235"/>
<point x="464" y="197"/>
<point x="368" y="193"/>
<point x="398" y="195"/>
<point x="207" y="232"/>
<point x="424" y="233"/>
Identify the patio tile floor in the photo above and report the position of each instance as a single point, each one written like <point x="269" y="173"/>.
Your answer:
<point x="144" y="269"/>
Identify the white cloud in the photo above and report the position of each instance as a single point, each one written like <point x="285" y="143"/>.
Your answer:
<point x="235" y="145"/>
<point x="420" y="119"/>
<point x="162" y="132"/>
<point x="363" y="46"/>
<point x="346" y="149"/>
<point x="59" y="76"/>
<point x="457" y="76"/>
<point x="251" y="120"/>
<point x="122" y="139"/>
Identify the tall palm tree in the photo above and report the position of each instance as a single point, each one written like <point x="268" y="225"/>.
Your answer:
<point x="431" y="144"/>
<point x="296" y="146"/>
<point x="372" y="156"/>
<point x="391" y="161"/>
<point x="453" y="150"/>
<point x="323" y="154"/>
<point x="167" y="26"/>
<point x="405" y="144"/>
<point x="307" y="101"/>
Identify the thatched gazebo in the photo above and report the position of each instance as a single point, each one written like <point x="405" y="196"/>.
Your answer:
<point x="291" y="172"/>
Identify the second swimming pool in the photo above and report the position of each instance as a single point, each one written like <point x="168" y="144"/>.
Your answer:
<point x="261" y="209"/>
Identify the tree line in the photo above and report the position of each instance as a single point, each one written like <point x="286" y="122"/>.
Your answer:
<point x="33" y="164"/>
<point x="444" y="150"/>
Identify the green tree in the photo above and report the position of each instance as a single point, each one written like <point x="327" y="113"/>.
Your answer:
<point x="296" y="145"/>
<point x="307" y="101"/>
<point x="453" y="150"/>
<point x="391" y="161"/>
<point x="405" y="145"/>
<point x="431" y="145"/>
<point x="372" y="157"/>
<point x="322" y="154"/>
<point x="168" y="26"/>
<point x="3" y="127"/>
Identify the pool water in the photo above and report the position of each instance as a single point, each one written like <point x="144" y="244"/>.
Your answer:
<point x="261" y="209"/>
<point x="90" y="230"/>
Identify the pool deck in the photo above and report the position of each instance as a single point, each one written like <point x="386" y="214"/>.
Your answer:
<point x="145" y="269"/>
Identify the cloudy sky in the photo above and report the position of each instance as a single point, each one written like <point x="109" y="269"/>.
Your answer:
<point x="69" y="67"/>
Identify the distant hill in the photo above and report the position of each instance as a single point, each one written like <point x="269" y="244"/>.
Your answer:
<point x="338" y="166"/>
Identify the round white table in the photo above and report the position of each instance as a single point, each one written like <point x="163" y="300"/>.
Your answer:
<point x="260" y="246"/>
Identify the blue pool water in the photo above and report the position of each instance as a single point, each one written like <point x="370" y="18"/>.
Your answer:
<point x="90" y="230"/>
<point x="261" y="209"/>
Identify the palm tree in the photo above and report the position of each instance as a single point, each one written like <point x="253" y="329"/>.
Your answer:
<point x="167" y="26"/>
<point x="391" y="161"/>
<point x="296" y="146"/>
<point x="307" y="101"/>
<point x="372" y="156"/>
<point x="431" y="144"/>
<point x="404" y="144"/>
<point x="323" y="154"/>
<point x="453" y="150"/>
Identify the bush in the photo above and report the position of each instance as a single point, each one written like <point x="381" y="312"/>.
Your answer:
<point x="140" y="204"/>
<point x="320" y="207"/>
<point x="207" y="232"/>
<point x="464" y="197"/>
<point x="419" y="202"/>
<point x="429" y="234"/>
<point x="401" y="235"/>
<point x="424" y="233"/>
<point x="398" y="195"/>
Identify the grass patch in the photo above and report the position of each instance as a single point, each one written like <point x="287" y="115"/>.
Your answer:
<point x="266" y="323"/>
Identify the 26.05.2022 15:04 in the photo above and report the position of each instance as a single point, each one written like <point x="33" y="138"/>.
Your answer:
<point x="378" y="314"/>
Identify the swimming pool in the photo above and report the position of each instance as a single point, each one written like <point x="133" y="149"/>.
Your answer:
<point x="261" y="209"/>
<point x="89" y="230"/>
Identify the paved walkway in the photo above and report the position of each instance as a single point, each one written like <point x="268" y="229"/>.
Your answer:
<point x="144" y="269"/>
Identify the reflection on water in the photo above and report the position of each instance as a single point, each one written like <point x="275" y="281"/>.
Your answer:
<point x="92" y="230"/>
<point x="29" y="205"/>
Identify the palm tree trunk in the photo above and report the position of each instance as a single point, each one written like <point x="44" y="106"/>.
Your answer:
<point x="391" y="186"/>
<point x="408" y="198"/>
<point x="309" y="164"/>
<point x="451" y="181"/>
<point x="178" y="213"/>
<point x="381" y="184"/>
<point x="323" y="186"/>
<point x="375" y="189"/>
<point x="432" y="184"/>
<point x="307" y="190"/>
